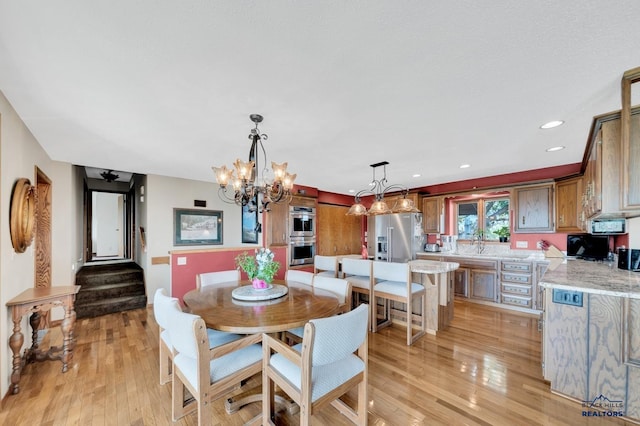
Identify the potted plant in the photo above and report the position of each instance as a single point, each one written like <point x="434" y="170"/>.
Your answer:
<point x="503" y="234"/>
<point x="260" y="269"/>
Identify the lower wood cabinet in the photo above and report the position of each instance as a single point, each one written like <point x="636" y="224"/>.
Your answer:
<point x="484" y="285"/>
<point x="461" y="282"/>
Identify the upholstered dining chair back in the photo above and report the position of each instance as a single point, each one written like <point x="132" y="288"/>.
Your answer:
<point x="299" y="276"/>
<point x="218" y="277"/>
<point x="338" y="286"/>
<point x="330" y="361"/>
<point x="162" y="307"/>
<point x="391" y="271"/>
<point x="393" y="283"/>
<point x="359" y="272"/>
<point x="207" y="373"/>
<point x="325" y="266"/>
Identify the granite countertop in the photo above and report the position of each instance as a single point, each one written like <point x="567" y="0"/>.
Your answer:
<point x="432" y="266"/>
<point x="537" y="257"/>
<point x="592" y="277"/>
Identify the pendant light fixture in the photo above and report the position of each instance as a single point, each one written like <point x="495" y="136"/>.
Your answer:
<point x="379" y="188"/>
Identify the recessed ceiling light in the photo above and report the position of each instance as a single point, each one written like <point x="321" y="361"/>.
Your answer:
<point x="465" y="166"/>
<point x="555" y="148"/>
<point x="351" y="191"/>
<point x="416" y="175"/>
<point x="552" y="124"/>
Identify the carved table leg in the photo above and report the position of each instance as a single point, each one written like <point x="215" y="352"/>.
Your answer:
<point x="68" y="341"/>
<point x="34" y="320"/>
<point x="15" y="342"/>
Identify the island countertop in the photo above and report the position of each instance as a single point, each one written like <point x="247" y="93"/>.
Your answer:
<point x="592" y="277"/>
<point x="432" y="266"/>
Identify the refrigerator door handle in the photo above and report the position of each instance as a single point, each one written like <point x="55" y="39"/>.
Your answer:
<point x="389" y="244"/>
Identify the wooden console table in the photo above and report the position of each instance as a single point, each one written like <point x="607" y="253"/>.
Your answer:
<point x="35" y="301"/>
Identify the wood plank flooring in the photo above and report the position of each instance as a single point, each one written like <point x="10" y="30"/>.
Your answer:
<point x="483" y="370"/>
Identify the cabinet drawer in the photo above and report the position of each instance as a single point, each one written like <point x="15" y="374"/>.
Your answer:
<point x="521" y="290"/>
<point x="516" y="278"/>
<point x="516" y="266"/>
<point x="477" y="264"/>
<point x="524" y="302"/>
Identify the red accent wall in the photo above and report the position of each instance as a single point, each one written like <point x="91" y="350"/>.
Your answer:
<point x="183" y="277"/>
<point x="506" y="179"/>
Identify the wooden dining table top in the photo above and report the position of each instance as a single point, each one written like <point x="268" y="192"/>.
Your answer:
<point x="221" y="311"/>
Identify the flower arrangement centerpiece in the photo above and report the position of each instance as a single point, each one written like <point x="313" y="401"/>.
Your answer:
<point x="260" y="268"/>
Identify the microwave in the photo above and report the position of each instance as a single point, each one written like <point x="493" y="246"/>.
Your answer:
<point x="608" y="226"/>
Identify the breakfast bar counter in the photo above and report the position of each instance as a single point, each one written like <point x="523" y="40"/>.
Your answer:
<point x="437" y="278"/>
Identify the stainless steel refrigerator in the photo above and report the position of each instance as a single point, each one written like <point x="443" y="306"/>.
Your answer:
<point x="395" y="237"/>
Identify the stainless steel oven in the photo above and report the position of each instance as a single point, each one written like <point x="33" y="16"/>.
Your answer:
<point x="302" y="221"/>
<point x="302" y="250"/>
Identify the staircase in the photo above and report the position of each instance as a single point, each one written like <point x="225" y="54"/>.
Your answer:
<point x="109" y="288"/>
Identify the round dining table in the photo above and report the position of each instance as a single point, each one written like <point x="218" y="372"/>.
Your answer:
<point x="221" y="311"/>
<point x="218" y="308"/>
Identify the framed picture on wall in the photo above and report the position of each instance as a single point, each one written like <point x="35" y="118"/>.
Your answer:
<point x="197" y="227"/>
<point x="249" y="225"/>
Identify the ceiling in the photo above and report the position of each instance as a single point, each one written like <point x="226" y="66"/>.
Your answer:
<point x="166" y="87"/>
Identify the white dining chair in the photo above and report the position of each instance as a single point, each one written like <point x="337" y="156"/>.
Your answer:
<point x="218" y="277"/>
<point x="393" y="283"/>
<point x="207" y="373"/>
<point x="331" y="360"/>
<point x="326" y="266"/>
<point x="299" y="276"/>
<point x="339" y="287"/>
<point x="162" y="307"/>
<point x="359" y="272"/>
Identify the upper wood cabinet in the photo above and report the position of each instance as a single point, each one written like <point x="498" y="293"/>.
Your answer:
<point x="337" y="233"/>
<point x="278" y="224"/>
<point x="432" y="214"/>
<point x="630" y="144"/>
<point x="533" y="208"/>
<point x="569" y="205"/>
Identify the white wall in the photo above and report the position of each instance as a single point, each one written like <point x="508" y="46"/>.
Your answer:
<point x="20" y="153"/>
<point x="162" y="195"/>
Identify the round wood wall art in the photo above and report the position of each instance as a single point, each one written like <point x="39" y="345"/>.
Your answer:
<point x="22" y="215"/>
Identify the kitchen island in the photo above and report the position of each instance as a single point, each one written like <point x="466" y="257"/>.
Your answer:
<point x="437" y="279"/>
<point x="591" y="336"/>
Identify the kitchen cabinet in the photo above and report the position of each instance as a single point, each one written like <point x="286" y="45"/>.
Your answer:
<point x="337" y="233"/>
<point x="432" y="215"/>
<point x="630" y="141"/>
<point x="516" y="283"/>
<point x="461" y="282"/>
<point x="278" y="224"/>
<point x="533" y="208"/>
<point x="483" y="285"/>
<point x="565" y="347"/>
<point x="569" y="205"/>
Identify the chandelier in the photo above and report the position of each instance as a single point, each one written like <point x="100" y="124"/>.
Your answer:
<point x="243" y="185"/>
<point x="379" y="188"/>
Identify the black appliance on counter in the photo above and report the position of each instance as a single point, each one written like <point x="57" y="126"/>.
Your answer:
<point x="629" y="259"/>
<point x="587" y="246"/>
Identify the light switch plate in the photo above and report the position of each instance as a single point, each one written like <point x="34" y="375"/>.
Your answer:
<point x="182" y="260"/>
<point x="522" y="244"/>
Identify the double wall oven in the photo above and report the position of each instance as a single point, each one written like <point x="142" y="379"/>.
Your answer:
<point x="302" y="235"/>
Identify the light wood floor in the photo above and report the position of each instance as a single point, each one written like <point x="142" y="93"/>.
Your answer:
<point x="483" y="370"/>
